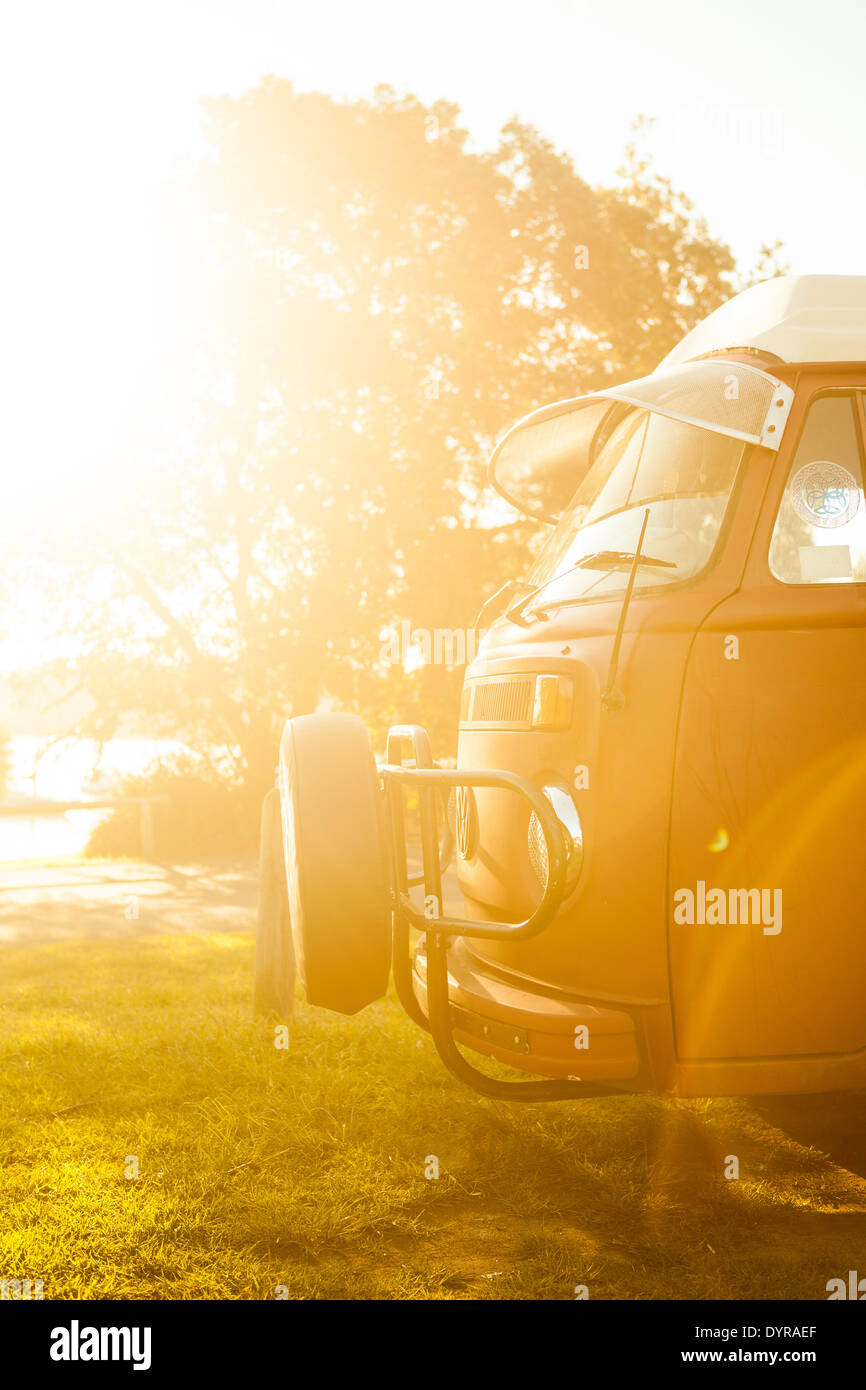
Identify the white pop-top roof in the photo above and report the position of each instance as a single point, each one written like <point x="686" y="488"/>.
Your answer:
<point x="800" y="318"/>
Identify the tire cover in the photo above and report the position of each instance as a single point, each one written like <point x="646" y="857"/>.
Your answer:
<point x="274" y="990"/>
<point x="335" y="861"/>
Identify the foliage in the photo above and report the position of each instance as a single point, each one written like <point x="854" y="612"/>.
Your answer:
<point x="354" y="305"/>
<point x="207" y="813"/>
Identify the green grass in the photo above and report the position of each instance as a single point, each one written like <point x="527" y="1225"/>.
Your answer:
<point x="261" y="1168"/>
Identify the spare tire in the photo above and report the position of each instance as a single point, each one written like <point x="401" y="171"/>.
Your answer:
<point x="274" y="988"/>
<point x="336" y="875"/>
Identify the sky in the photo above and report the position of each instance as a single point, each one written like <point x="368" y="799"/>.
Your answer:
<point x="758" y="110"/>
<point x="759" y="107"/>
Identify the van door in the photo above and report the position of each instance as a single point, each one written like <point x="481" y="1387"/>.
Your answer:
<point x="767" y="910"/>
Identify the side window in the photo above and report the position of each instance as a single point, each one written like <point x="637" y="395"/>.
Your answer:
<point x="820" y="531"/>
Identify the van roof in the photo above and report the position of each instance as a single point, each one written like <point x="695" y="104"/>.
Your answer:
<point x="798" y="318"/>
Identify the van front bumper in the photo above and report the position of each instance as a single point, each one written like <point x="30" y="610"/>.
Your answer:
<point x="549" y="1049"/>
<point x="516" y="1022"/>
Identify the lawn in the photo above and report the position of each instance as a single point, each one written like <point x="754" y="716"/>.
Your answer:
<point x="261" y="1169"/>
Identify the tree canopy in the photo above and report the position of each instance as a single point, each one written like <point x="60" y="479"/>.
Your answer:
<point x="355" y="303"/>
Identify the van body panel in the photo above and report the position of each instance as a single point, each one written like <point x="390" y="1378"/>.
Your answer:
<point x="771" y="764"/>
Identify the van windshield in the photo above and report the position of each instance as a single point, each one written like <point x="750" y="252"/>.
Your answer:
<point x="681" y="473"/>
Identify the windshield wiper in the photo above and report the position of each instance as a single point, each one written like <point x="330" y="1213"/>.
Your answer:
<point x="599" y="560"/>
<point x="612" y="697"/>
<point x="515" y="614"/>
<point x="502" y="593"/>
<point x="621" y="560"/>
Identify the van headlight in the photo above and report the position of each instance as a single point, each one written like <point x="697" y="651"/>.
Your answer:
<point x="572" y="833"/>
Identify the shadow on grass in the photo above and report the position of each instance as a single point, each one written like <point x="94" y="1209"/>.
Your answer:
<point x="833" y="1123"/>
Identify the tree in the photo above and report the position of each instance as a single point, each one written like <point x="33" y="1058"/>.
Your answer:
<point x="357" y="305"/>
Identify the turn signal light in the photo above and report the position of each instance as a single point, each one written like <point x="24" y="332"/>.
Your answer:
<point x="554" y="701"/>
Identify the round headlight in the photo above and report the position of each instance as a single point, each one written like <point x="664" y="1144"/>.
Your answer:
<point x="538" y="856"/>
<point x="572" y="834"/>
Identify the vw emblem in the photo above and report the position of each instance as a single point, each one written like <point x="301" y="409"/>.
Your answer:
<point x="465" y="822"/>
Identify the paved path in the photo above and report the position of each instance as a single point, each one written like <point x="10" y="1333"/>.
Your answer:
<point x="56" y="902"/>
<point x="45" y="902"/>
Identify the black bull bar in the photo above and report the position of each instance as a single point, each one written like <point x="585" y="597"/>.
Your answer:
<point x="428" y="781"/>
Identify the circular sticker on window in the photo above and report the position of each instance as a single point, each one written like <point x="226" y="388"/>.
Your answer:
<point x="825" y="494"/>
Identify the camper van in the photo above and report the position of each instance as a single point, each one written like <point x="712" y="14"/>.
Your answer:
<point x="656" y="825"/>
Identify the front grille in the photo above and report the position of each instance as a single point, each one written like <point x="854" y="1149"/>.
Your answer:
<point x="499" y="701"/>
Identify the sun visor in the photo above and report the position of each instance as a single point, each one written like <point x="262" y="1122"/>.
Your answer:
<point x="540" y="462"/>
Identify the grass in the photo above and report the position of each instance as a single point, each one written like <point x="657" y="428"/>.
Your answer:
<point x="304" y="1169"/>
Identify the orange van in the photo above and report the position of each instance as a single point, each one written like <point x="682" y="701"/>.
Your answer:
<point x="658" y="811"/>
